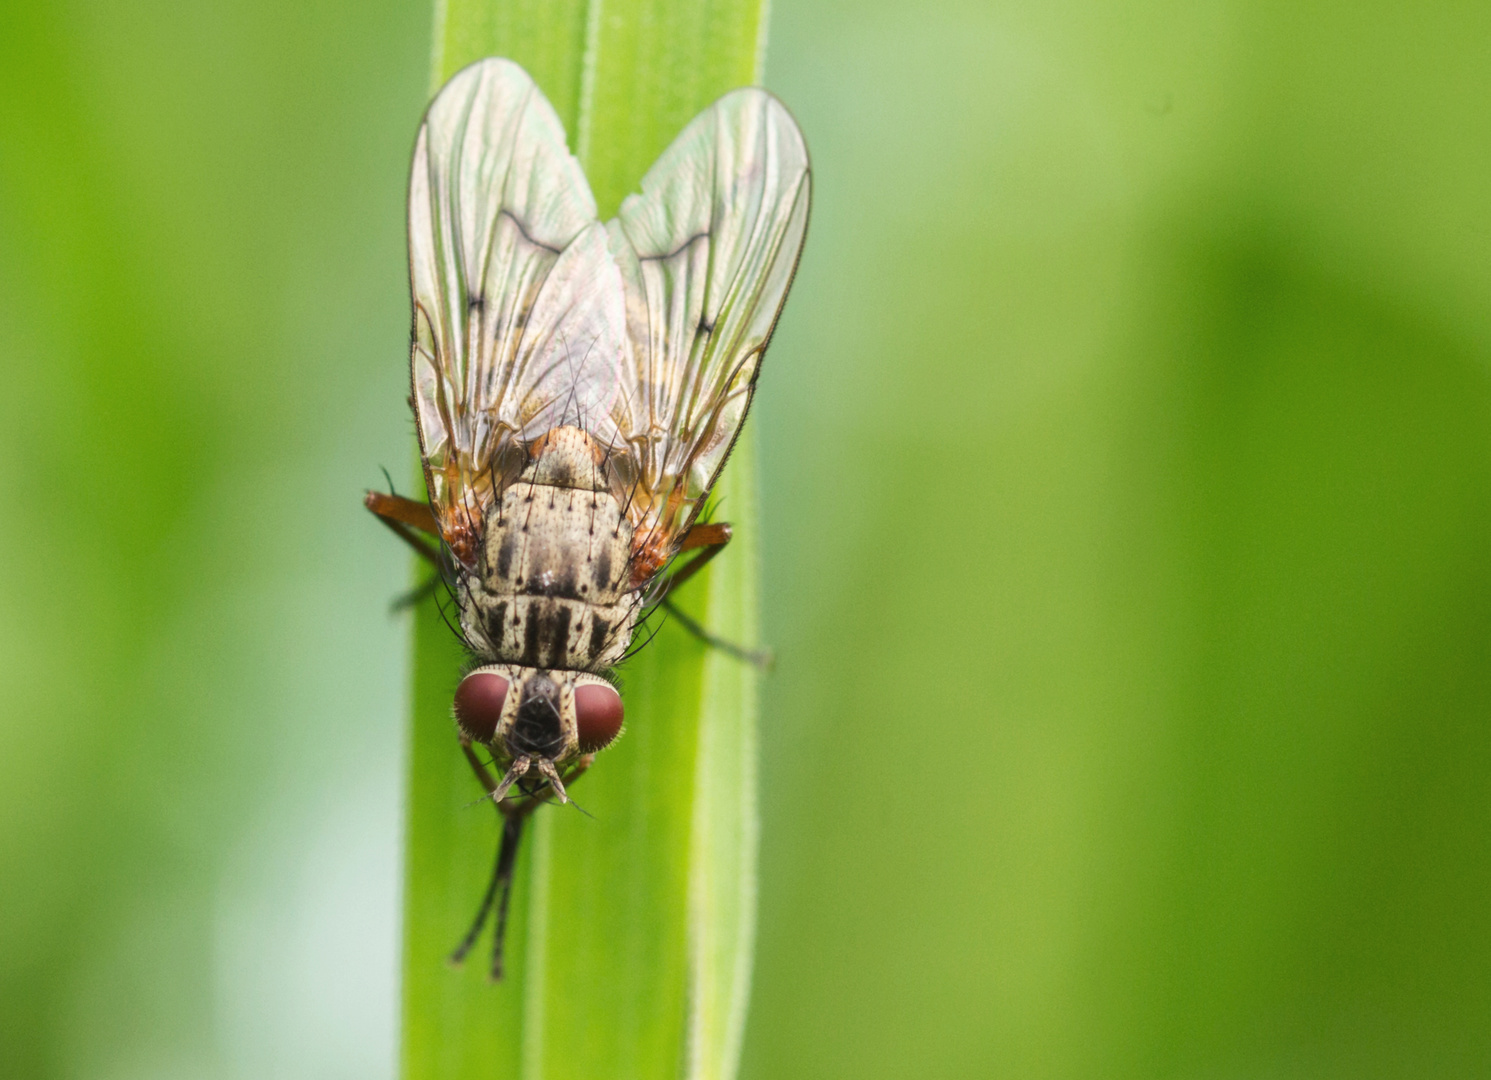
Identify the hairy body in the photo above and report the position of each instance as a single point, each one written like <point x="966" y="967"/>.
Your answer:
<point x="553" y="588"/>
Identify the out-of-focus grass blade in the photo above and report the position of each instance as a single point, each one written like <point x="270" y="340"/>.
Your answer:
<point x="629" y="947"/>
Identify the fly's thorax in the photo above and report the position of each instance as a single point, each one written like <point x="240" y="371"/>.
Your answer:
<point x="537" y="713"/>
<point x="553" y="581"/>
<point x="568" y="458"/>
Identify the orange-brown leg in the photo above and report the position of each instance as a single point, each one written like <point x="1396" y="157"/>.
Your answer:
<point x="715" y="534"/>
<point x="709" y="540"/>
<point x="403" y="516"/>
<point x="398" y="508"/>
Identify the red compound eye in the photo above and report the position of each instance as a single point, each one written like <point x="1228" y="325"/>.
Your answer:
<point x="479" y="701"/>
<point x="598" y="716"/>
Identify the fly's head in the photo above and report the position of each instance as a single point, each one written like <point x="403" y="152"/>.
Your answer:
<point x="537" y="723"/>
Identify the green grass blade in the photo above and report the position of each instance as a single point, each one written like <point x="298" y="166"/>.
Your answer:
<point x="629" y="945"/>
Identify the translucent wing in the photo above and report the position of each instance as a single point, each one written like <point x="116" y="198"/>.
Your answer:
<point x="707" y="252"/>
<point x="519" y="316"/>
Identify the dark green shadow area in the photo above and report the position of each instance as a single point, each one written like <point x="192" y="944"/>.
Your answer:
<point x="1126" y="483"/>
<point x="1141" y="734"/>
<point x="1311" y="842"/>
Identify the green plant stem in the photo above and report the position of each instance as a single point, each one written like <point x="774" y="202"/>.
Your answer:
<point x="629" y="944"/>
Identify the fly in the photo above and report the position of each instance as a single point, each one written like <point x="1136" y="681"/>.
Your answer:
<point x="577" y="387"/>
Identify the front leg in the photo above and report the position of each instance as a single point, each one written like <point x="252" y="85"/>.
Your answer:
<point x="514" y="812"/>
<point x="521" y="802"/>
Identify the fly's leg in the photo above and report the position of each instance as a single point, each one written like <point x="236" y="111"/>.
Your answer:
<point x="404" y="517"/>
<point x="709" y="540"/>
<point x="484" y="776"/>
<point x="534" y="798"/>
<point x="502" y="877"/>
<point x="410" y="512"/>
<point x="500" y="888"/>
<point x="761" y="659"/>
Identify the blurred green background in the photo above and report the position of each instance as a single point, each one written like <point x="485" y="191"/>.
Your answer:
<point x="1126" y="461"/>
